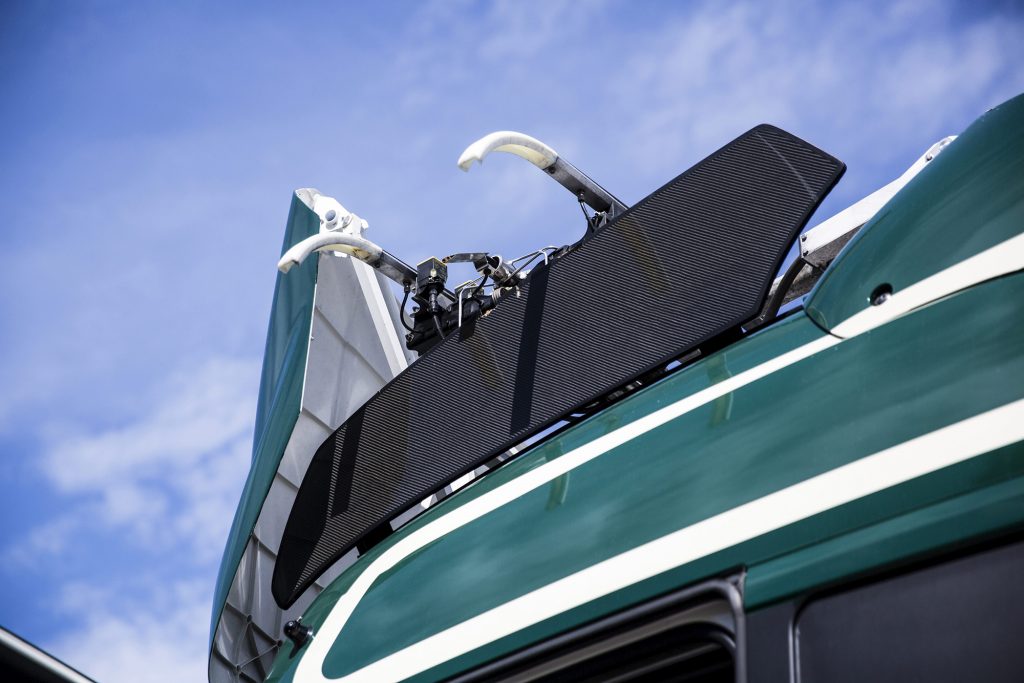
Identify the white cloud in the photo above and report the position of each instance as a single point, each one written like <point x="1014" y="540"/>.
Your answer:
<point x="202" y="411"/>
<point x="169" y="479"/>
<point x="160" y="639"/>
<point x="178" y="469"/>
<point x="861" y="75"/>
<point x="47" y="539"/>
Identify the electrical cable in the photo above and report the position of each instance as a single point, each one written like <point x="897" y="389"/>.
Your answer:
<point x="586" y="216"/>
<point x="479" y="288"/>
<point x="401" y="311"/>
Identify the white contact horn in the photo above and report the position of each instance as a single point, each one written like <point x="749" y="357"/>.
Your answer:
<point x="520" y="144"/>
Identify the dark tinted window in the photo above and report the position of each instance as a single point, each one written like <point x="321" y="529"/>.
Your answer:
<point x="961" y="620"/>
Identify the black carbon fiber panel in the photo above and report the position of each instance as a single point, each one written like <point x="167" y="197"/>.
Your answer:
<point x="690" y="261"/>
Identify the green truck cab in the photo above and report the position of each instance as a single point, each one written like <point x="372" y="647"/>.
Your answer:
<point x="837" y="495"/>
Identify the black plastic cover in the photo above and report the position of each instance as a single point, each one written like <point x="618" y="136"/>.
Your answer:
<point x="687" y="263"/>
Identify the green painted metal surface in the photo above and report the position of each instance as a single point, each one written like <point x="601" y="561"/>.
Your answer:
<point x="280" y="398"/>
<point x="966" y="503"/>
<point x="970" y="198"/>
<point x="941" y="364"/>
<point x="911" y="535"/>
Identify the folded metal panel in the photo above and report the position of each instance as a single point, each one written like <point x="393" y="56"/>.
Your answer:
<point x="331" y="344"/>
<point x="691" y="261"/>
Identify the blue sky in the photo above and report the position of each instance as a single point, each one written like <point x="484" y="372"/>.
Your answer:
<point x="149" y="152"/>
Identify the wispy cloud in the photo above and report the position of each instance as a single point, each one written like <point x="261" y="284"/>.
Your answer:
<point x="156" y="640"/>
<point x="46" y="540"/>
<point x="873" y="83"/>
<point x="173" y="469"/>
<point x="160" y="490"/>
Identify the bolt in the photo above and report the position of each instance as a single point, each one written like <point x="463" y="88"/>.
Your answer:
<point x="297" y="632"/>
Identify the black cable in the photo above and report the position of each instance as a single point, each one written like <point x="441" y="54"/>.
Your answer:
<point x="586" y="216"/>
<point x="401" y="311"/>
<point x="478" y="289"/>
<point x="437" y="324"/>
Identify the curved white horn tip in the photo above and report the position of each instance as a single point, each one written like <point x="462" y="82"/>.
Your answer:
<point x="467" y="159"/>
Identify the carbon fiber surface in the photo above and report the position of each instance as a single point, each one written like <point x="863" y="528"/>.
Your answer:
<point x="687" y="263"/>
